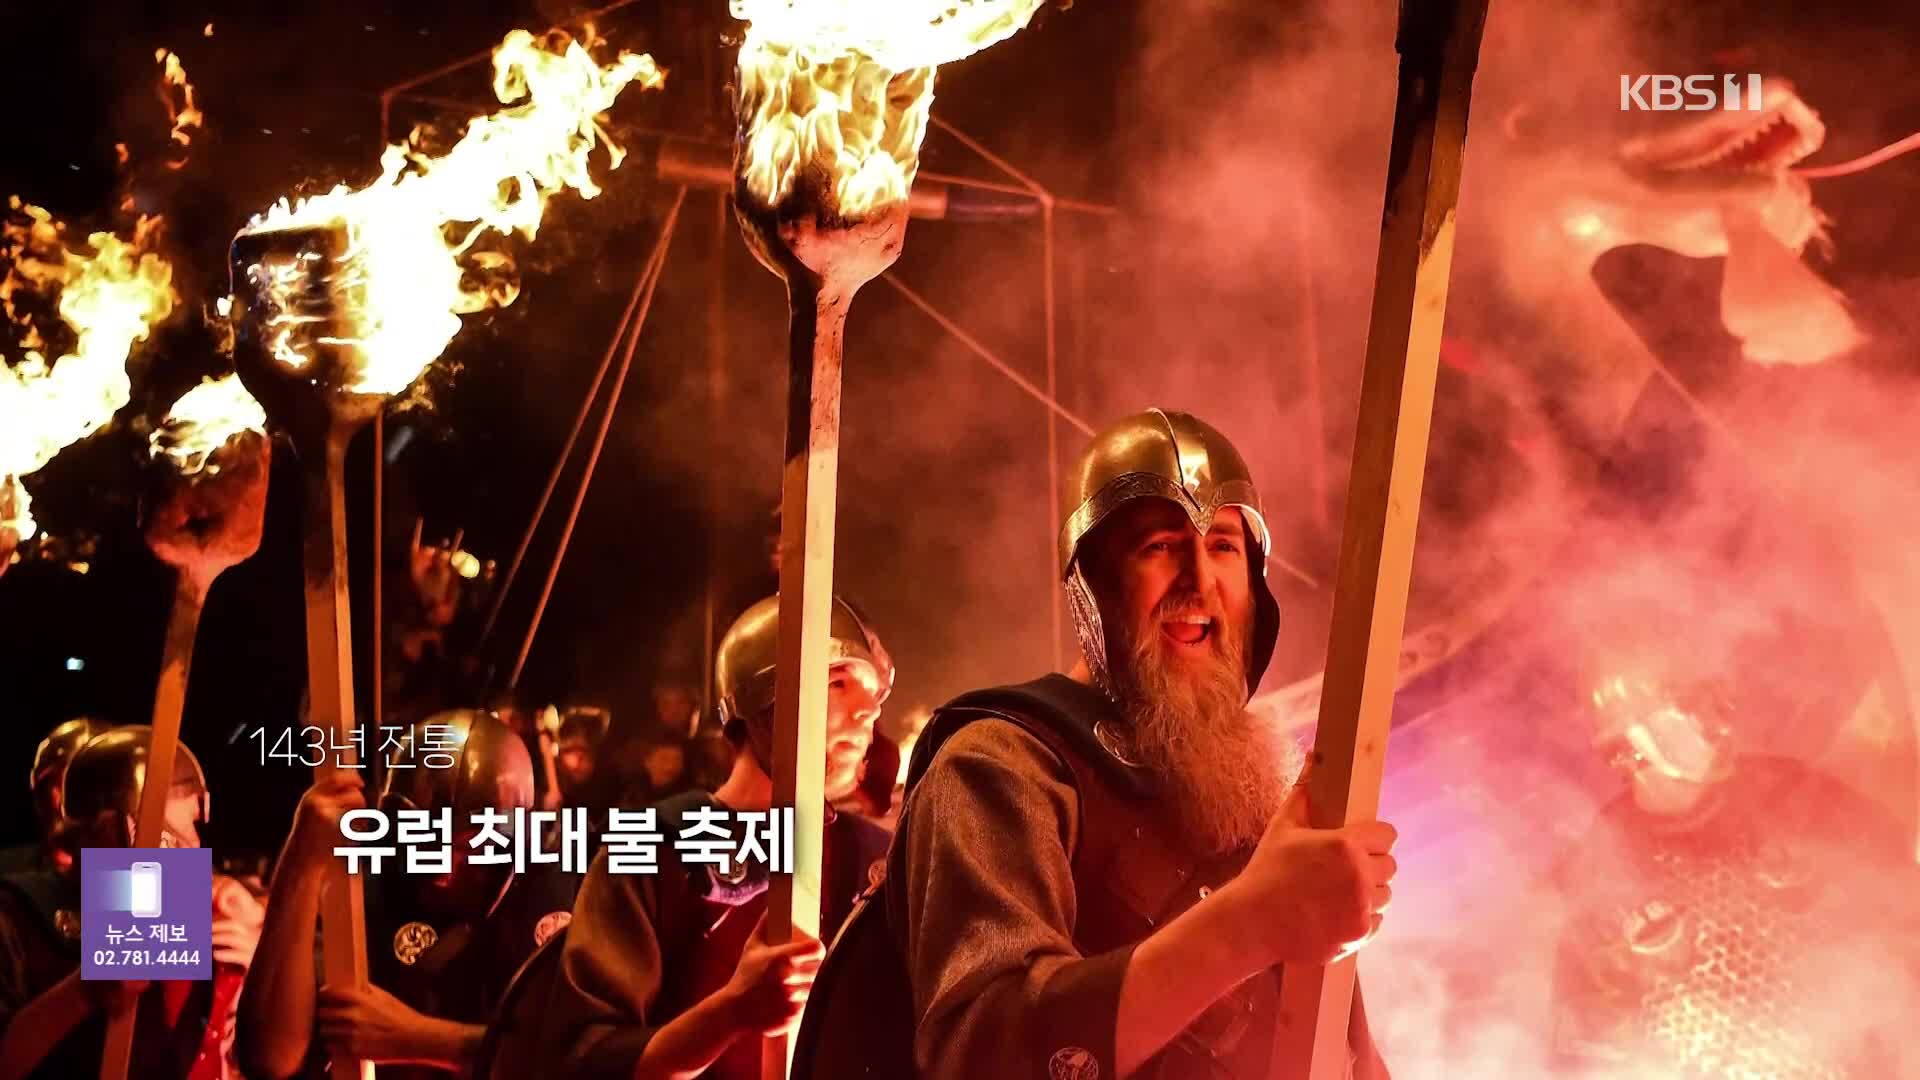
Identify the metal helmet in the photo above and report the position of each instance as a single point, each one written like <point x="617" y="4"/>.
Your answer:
<point x="489" y="769"/>
<point x="589" y="723"/>
<point x="109" y="770"/>
<point x="743" y="667"/>
<point x="1176" y="457"/>
<point x="577" y="730"/>
<point x="50" y="766"/>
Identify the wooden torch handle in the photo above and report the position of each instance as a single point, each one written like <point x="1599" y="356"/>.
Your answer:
<point x="330" y="694"/>
<point x="169" y="701"/>
<point x="1439" y="45"/>
<point x="818" y="326"/>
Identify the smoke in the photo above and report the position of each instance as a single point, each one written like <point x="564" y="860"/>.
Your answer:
<point x="1611" y="488"/>
<point x="1258" y="151"/>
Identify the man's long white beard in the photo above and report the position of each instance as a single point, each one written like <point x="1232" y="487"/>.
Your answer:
<point x="1224" y="772"/>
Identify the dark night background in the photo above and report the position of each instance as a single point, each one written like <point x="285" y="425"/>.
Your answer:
<point x="689" y="479"/>
<point x="291" y="97"/>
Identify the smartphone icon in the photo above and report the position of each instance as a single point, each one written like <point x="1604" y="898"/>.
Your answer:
<point x="146" y="890"/>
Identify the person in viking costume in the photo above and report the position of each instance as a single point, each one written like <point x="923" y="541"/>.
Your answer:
<point x="444" y="938"/>
<point x="1099" y="873"/>
<point x="49" y="770"/>
<point x="52" y="1022"/>
<point x="667" y="974"/>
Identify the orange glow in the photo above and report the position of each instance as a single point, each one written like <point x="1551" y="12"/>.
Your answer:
<point x="204" y="419"/>
<point x="846" y="87"/>
<point x="409" y="272"/>
<point x="177" y="94"/>
<point x="109" y="298"/>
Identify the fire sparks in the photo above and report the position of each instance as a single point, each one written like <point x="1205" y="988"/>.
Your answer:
<point x="844" y="88"/>
<point x="204" y="419"/>
<point x="407" y="271"/>
<point x="176" y="93"/>
<point x="109" y="299"/>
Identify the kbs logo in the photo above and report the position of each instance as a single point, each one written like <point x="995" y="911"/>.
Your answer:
<point x="1691" y="93"/>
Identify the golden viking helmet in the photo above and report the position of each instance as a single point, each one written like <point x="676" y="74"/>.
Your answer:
<point x="743" y="666"/>
<point x="1176" y="457"/>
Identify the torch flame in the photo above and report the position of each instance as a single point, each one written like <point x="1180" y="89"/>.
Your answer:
<point x="402" y="284"/>
<point x="181" y="111"/>
<point x="110" y="299"/>
<point x="845" y="87"/>
<point x="204" y="419"/>
<point x="15" y="523"/>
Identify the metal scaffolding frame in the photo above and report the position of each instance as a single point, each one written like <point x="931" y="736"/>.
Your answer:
<point x="632" y="321"/>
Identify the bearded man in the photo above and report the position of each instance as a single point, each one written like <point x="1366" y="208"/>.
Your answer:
<point x="1098" y="874"/>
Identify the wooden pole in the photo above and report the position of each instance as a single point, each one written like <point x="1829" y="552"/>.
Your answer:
<point x="807" y="496"/>
<point x="343" y="927"/>
<point x="316" y="405"/>
<point x="376" y="574"/>
<point x="824" y="260"/>
<point x="1439" y="45"/>
<point x="169" y="700"/>
<point x="200" y="526"/>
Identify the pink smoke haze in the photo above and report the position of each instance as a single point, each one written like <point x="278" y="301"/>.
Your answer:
<point x="1611" y="490"/>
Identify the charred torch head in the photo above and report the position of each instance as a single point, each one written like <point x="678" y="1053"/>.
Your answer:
<point x="211" y="519"/>
<point x="292" y="346"/>
<point x="833" y="101"/>
<point x="808" y="226"/>
<point x="806" y="244"/>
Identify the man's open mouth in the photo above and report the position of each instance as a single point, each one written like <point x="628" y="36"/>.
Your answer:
<point x="1188" y="629"/>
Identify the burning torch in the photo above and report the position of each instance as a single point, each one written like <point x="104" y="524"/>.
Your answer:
<point x="833" y="100"/>
<point x="343" y="299"/>
<point x="294" y="350"/>
<point x="111" y="294"/>
<point x="1439" y="45"/>
<point x="208" y="517"/>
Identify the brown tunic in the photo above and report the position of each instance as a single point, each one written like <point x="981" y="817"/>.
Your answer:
<point x="987" y="925"/>
<point x="644" y="948"/>
<point x="998" y="984"/>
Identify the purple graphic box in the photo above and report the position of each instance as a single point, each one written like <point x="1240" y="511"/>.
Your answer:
<point x="146" y="913"/>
